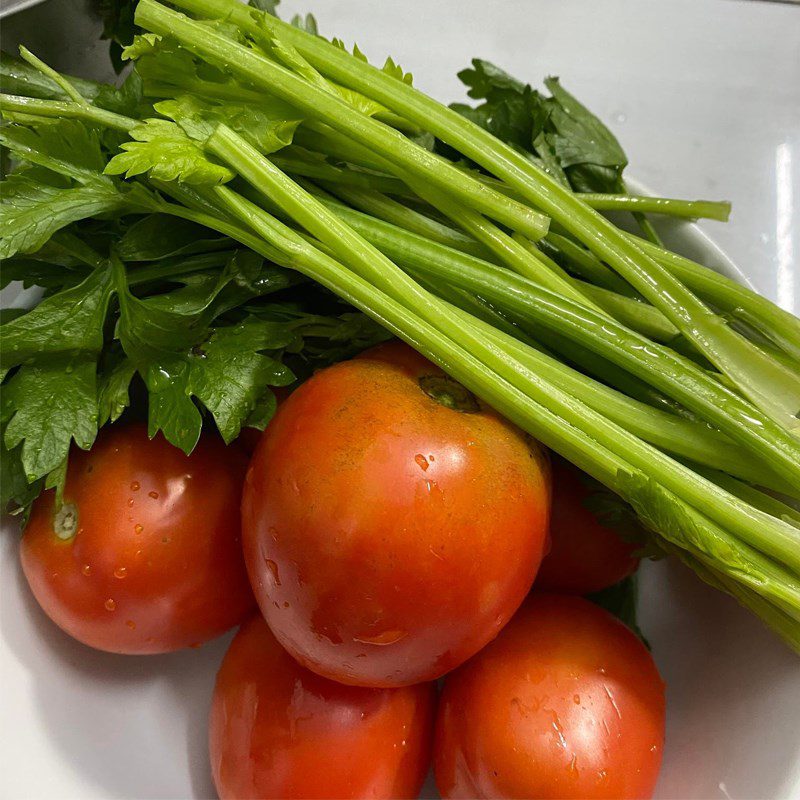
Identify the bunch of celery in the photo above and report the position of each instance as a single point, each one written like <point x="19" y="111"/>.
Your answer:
<point x="673" y="386"/>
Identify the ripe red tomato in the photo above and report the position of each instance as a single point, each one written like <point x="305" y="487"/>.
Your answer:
<point x="388" y="536"/>
<point x="155" y="562"/>
<point x="279" y="730"/>
<point x="585" y="555"/>
<point x="565" y="703"/>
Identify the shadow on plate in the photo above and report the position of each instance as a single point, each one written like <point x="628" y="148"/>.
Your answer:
<point x="119" y="721"/>
<point x="731" y="691"/>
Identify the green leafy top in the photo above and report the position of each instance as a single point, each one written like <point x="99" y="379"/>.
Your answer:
<point x="562" y="135"/>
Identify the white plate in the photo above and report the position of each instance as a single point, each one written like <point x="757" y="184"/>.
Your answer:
<point x="83" y="724"/>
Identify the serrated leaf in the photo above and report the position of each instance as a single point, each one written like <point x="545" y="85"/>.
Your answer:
<point x="264" y="411"/>
<point x="68" y="324"/>
<point x="48" y="406"/>
<point x="113" y="390"/>
<point x="484" y="78"/>
<point x="549" y="160"/>
<point x="31" y="211"/>
<point x="142" y="44"/>
<point x="229" y="373"/>
<point x="157" y="334"/>
<point x="356" y="51"/>
<point x="162" y="149"/>
<point x="167" y="69"/>
<point x="570" y="142"/>
<point x="16" y="493"/>
<point x="199" y="119"/>
<point x="160" y="236"/>
<point x="21" y="78"/>
<point x="267" y="6"/>
<point x="171" y="409"/>
<point x="30" y="272"/>
<point x="126" y="100"/>
<point x="391" y="67"/>
<point x="307" y="23"/>
<point x="66" y="146"/>
<point x="581" y="138"/>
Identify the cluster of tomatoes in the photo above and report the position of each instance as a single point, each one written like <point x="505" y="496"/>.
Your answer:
<point x="389" y="529"/>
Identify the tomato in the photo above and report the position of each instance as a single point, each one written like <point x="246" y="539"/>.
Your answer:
<point x="585" y="555"/>
<point x="279" y="730"/>
<point x="388" y="536"/>
<point x="154" y="563"/>
<point x="565" y="703"/>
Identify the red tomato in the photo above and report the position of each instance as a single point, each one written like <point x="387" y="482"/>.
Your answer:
<point x="565" y="703"/>
<point x="585" y="555"/>
<point x="279" y="730"/>
<point x="389" y="537"/>
<point x="155" y="561"/>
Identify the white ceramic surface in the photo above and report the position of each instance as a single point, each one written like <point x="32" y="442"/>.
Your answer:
<point x="705" y="98"/>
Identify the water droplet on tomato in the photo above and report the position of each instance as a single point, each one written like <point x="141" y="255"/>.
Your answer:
<point x="110" y="604"/>
<point x="87" y="570"/>
<point x="422" y="462"/>
<point x="131" y="624"/>
<point x="576" y="698"/>
<point x="138" y="528"/>
<point x="154" y="495"/>
<point x="121" y="572"/>
<point x="135" y="486"/>
<point x="130" y="502"/>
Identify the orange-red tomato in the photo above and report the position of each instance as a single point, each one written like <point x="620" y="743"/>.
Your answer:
<point x="388" y="536"/>
<point x="154" y="563"/>
<point x="279" y="730"/>
<point x="585" y="555"/>
<point x="565" y="703"/>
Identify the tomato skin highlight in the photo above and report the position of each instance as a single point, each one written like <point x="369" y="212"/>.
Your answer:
<point x="155" y="564"/>
<point x="585" y="556"/>
<point x="388" y="538"/>
<point x="278" y="730"/>
<point x="565" y="703"/>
